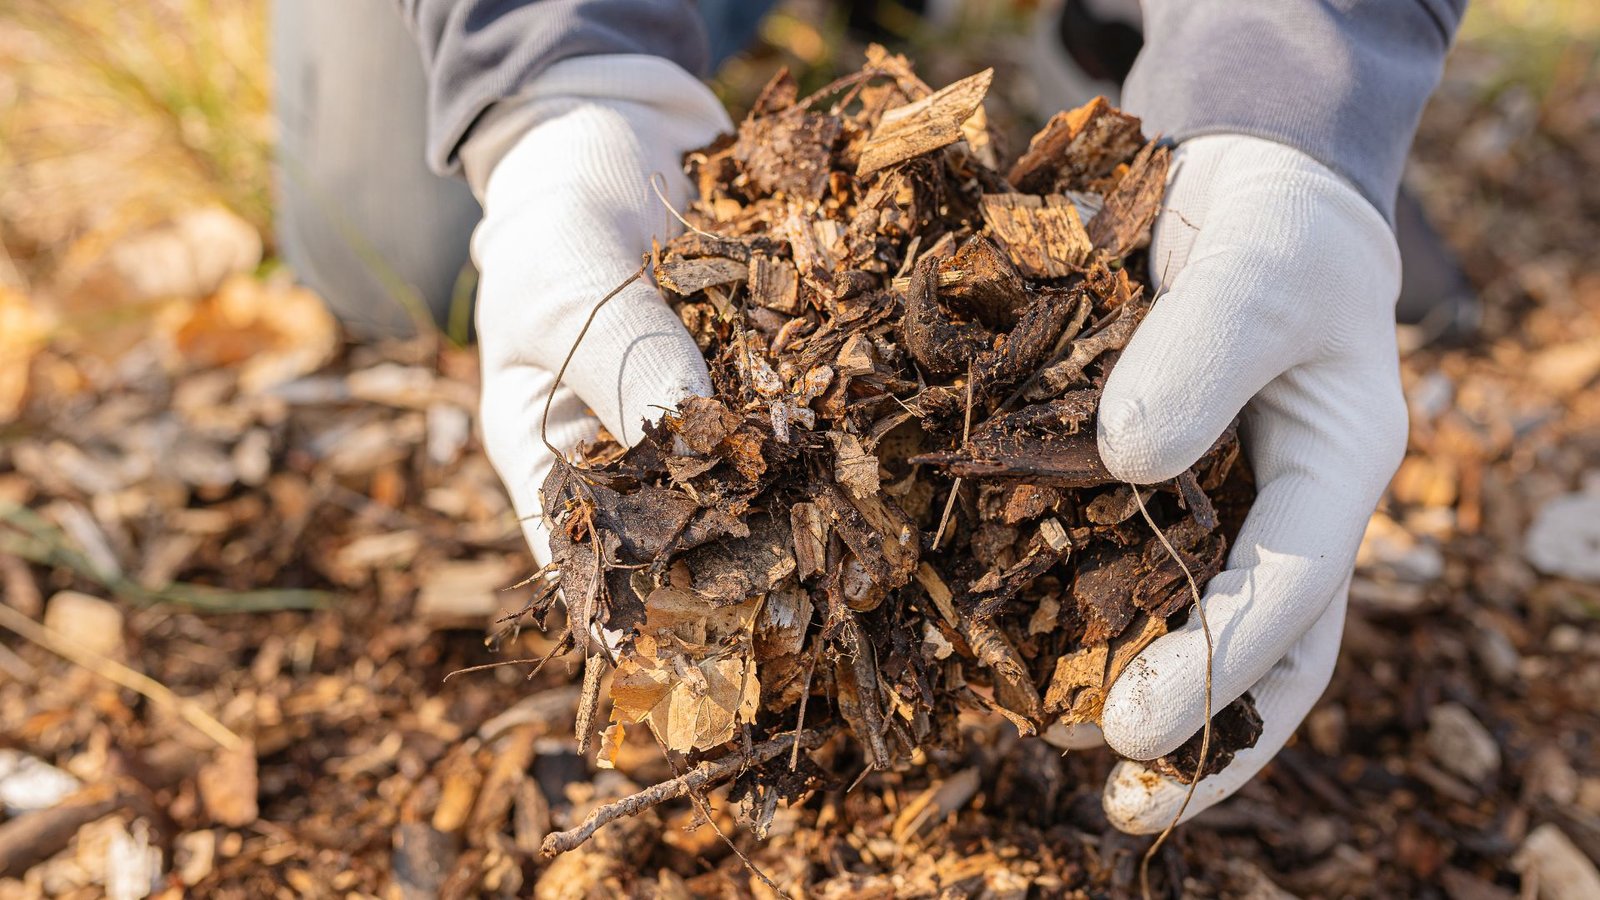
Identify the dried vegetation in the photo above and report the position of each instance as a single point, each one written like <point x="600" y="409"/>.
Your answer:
<point x="892" y="508"/>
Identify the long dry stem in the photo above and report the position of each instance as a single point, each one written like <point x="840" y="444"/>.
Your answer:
<point x="544" y="420"/>
<point x="116" y="672"/>
<point x="1205" y="730"/>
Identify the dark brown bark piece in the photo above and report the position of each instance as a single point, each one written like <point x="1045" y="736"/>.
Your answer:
<point x="734" y="570"/>
<point x="1123" y="223"/>
<point x="1103" y="591"/>
<point x="982" y="281"/>
<point x="1028" y="346"/>
<point x="1049" y="443"/>
<point x="1111" y="336"/>
<point x="940" y="346"/>
<point x="1237" y="727"/>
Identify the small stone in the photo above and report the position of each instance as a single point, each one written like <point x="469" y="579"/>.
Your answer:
<point x="1554" y="868"/>
<point x="1564" y="539"/>
<point x="1565" y="639"/>
<point x="28" y="783"/>
<point x="1549" y="775"/>
<point x="86" y="622"/>
<point x="1495" y="652"/>
<point x="1460" y="743"/>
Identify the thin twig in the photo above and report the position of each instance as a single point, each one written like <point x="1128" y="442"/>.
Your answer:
<point x="805" y="695"/>
<point x="955" y="488"/>
<point x="660" y="195"/>
<point x="1205" y="730"/>
<point x="544" y="421"/>
<point x="117" y="673"/>
<point x="698" y="778"/>
<point x="839" y="84"/>
<point x="703" y="806"/>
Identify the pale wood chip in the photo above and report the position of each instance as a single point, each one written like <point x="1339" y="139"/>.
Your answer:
<point x="923" y="125"/>
<point x="1043" y="235"/>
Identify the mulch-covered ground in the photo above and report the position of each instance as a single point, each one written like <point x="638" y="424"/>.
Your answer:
<point x="229" y="454"/>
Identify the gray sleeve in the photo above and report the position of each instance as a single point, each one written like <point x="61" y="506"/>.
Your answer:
<point x="1342" y="80"/>
<point x="476" y="52"/>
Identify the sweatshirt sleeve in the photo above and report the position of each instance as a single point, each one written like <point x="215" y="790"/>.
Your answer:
<point x="476" y="52"/>
<point x="1344" y="81"/>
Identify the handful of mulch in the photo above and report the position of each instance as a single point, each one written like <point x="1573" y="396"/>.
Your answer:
<point x="892" y="507"/>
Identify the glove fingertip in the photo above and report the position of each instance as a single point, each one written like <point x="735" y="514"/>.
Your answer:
<point x="1132" y="442"/>
<point x="1137" y="721"/>
<point x="1139" y="801"/>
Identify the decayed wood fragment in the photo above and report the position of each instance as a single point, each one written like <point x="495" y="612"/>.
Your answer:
<point x="810" y="540"/>
<point x="1075" y="672"/>
<point x="924" y="125"/>
<point x="1123" y="224"/>
<point x="1043" y="234"/>
<point x="687" y="276"/>
<point x="1113" y="335"/>
<point x="774" y="284"/>
<point x="1075" y="147"/>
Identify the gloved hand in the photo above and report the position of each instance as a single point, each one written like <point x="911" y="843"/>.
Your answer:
<point x="1280" y="285"/>
<point x="564" y="172"/>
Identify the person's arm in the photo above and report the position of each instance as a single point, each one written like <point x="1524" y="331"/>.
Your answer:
<point x="479" y="52"/>
<point x="1343" y="82"/>
<point x="1278" y="272"/>
<point x="559" y="113"/>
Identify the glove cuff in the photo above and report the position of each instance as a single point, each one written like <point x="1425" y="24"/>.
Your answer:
<point x="636" y="80"/>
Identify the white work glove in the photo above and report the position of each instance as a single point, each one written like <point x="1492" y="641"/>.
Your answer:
<point x="564" y="171"/>
<point x="1281" y="283"/>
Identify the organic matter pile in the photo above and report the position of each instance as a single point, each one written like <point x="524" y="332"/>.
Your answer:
<point x="892" y="507"/>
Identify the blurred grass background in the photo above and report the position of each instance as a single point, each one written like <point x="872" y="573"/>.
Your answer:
<point x="115" y="116"/>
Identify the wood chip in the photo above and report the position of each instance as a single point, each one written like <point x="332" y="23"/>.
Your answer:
<point x="1043" y="235"/>
<point x="925" y="125"/>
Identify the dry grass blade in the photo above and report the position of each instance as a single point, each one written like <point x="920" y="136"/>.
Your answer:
<point x="116" y="672"/>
